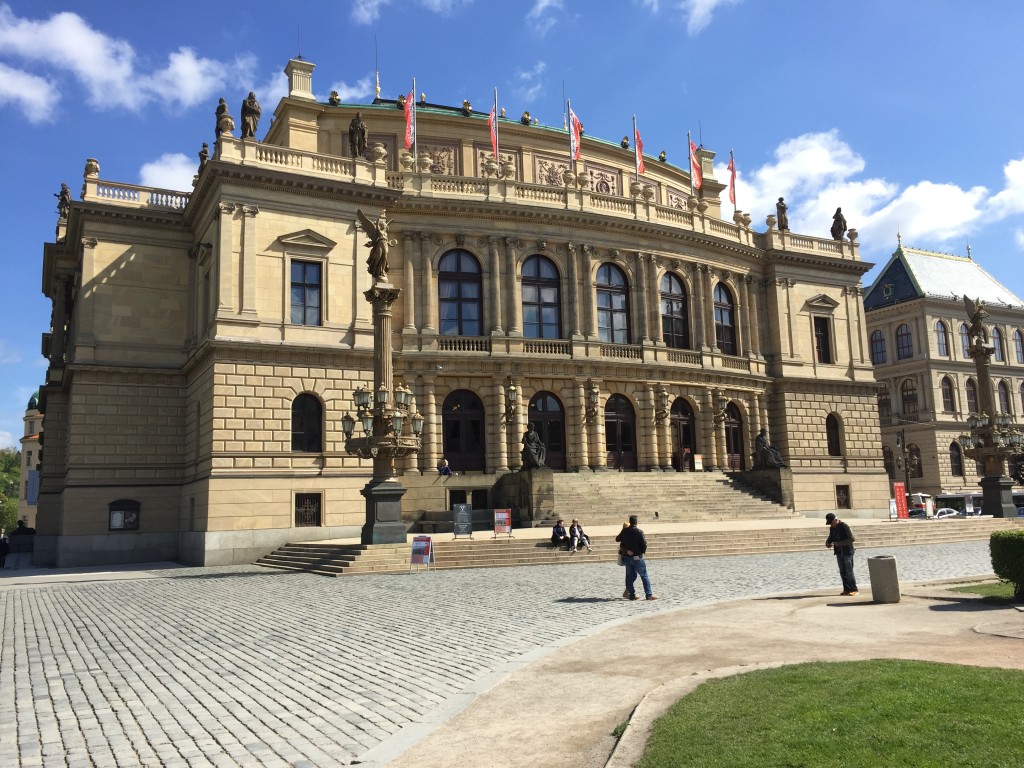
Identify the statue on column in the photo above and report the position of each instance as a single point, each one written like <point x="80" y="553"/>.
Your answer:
<point x="534" y="450"/>
<point x="378" y="243"/>
<point x="766" y="456"/>
<point x="976" y="313"/>
<point x="250" y="116"/>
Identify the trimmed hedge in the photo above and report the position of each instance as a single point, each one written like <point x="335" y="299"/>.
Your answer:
<point x="1007" y="550"/>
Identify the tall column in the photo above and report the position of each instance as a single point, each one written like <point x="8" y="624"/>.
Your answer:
<point x="225" y="255"/>
<point x="709" y="429"/>
<point x="249" y="259"/>
<point x="588" y="296"/>
<point x="494" y="280"/>
<point x="697" y="308"/>
<point x="640" y="293"/>
<point x="598" y="455"/>
<point x="578" y="450"/>
<point x="429" y="296"/>
<point x="514" y="300"/>
<point x="409" y="283"/>
<point x="665" y="441"/>
<point x="787" y="285"/>
<point x="647" y="440"/>
<point x="573" y="282"/>
<point x="501" y="441"/>
<point x="191" y="319"/>
<point x="653" y="291"/>
<point x="709" y="307"/>
<point x="747" y="319"/>
<point x="431" y="449"/>
<point x="754" y="315"/>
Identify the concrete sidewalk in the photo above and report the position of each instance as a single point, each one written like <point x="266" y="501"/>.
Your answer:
<point x="561" y="709"/>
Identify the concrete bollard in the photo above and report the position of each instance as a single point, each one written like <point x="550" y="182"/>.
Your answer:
<point x="885" y="583"/>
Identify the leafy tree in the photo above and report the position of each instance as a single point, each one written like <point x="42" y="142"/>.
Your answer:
<point x="10" y="483"/>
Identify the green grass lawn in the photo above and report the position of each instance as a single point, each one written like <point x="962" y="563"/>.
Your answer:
<point x="997" y="592"/>
<point x="868" y="714"/>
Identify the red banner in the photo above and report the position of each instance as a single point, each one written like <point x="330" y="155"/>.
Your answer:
<point x="899" y="490"/>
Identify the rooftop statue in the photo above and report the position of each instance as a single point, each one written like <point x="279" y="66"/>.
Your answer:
<point x="63" y="201"/>
<point x="250" y="116"/>
<point x="225" y="122"/>
<point x="838" y="224"/>
<point x="780" y="209"/>
<point x="377" y="261"/>
<point x="357" y="136"/>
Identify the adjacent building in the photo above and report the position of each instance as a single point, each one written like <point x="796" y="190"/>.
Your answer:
<point x="31" y="448"/>
<point x="928" y="385"/>
<point x="206" y="344"/>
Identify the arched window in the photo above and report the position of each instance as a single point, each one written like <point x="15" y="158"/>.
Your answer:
<point x="956" y="460"/>
<point x="612" y="305"/>
<point x="997" y="344"/>
<point x="904" y="342"/>
<point x="675" y="328"/>
<point x="914" y="454"/>
<point x="972" y="396"/>
<point x="1018" y="345"/>
<point x="908" y="394"/>
<point x="462" y="429"/>
<point x="307" y="424"/>
<point x="877" y="347"/>
<point x="948" y="400"/>
<point x="459" y="294"/>
<point x="965" y="340"/>
<point x="725" y="320"/>
<point x="832" y="434"/>
<point x="941" y="339"/>
<point x="542" y="307"/>
<point x="884" y="407"/>
<point x="888" y="462"/>
<point x="1003" y="392"/>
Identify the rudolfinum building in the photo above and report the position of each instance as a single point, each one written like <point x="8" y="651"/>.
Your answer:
<point x="206" y="344"/>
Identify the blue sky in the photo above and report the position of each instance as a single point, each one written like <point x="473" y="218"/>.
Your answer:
<point x="907" y="114"/>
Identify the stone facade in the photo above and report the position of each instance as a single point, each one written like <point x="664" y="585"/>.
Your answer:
<point x="192" y="330"/>
<point x="30" y="446"/>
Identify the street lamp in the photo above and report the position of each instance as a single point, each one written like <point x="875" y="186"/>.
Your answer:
<point x="991" y="439"/>
<point x="906" y="462"/>
<point x="661" y="405"/>
<point x="391" y="425"/>
<point x="511" y="401"/>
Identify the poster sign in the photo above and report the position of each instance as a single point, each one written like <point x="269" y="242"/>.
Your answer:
<point x="422" y="551"/>
<point x="698" y="462"/>
<point x="969" y="504"/>
<point x="503" y="521"/>
<point x="463" y="520"/>
<point x="899" y="491"/>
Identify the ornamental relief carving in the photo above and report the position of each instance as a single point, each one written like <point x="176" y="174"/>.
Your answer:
<point x="482" y="153"/>
<point x="602" y="179"/>
<point x="443" y="158"/>
<point x="678" y="198"/>
<point x="549" y="170"/>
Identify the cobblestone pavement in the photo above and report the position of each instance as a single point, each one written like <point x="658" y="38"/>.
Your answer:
<point x="246" y="666"/>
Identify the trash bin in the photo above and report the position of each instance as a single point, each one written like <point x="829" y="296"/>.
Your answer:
<point x="885" y="583"/>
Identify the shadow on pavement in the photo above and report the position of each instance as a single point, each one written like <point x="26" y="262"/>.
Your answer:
<point x="588" y="600"/>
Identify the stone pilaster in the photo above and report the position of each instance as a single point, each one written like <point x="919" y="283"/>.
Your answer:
<point x="248" y="260"/>
<point x="409" y="302"/>
<point x="494" y="282"/>
<point x="429" y="291"/>
<point x="512" y="293"/>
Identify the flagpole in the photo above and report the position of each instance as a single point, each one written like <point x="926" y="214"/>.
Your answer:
<point x="636" y="160"/>
<point x="497" y="146"/>
<point x="732" y="179"/>
<point x="689" y="154"/>
<point x="376" y="69"/>
<point x="572" y="160"/>
<point x="415" y="130"/>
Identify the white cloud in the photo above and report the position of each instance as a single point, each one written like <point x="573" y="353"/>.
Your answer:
<point x="541" y="15"/>
<point x="33" y="95"/>
<point x="1011" y="199"/>
<point x="7" y="440"/>
<point x="169" y="171"/>
<point x="651" y="5"/>
<point x="362" y="89"/>
<point x="273" y="89"/>
<point x="107" y="67"/>
<point x="1018" y="238"/>
<point x="529" y="86"/>
<point x="698" y="13"/>
<point x="8" y="354"/>
<point x="443" y="6"/>
<point x="367" y="11"/>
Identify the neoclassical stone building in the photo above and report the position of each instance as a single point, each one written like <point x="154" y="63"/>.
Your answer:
<point x="206" y="344"/>
<point x="30" y="442"/>
<point x="928" y="385"/>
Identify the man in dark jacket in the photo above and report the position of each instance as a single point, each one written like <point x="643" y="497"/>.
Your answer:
<point x="634" y="546"/>
<point x="840" y="541"/>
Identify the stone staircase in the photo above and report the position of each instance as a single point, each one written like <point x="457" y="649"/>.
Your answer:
<point x="602" y="498"/>
<point x="483" y="551"/>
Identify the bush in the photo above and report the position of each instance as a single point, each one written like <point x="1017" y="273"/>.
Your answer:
<point x="1007" y="549"/>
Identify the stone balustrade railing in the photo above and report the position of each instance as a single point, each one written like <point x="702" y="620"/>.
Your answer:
<point x="493" y="190"/>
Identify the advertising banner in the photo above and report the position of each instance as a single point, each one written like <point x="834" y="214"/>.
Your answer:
<point x="502" y="521"/>
<point x="899" y="491"/>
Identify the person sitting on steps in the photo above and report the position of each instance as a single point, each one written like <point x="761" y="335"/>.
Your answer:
<point x="559" y="535"/>
<point x="577" y="537"/>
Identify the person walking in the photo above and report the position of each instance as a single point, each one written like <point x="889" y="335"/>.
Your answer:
<point x="840" y="541"/>
<point x="634" y="543"/>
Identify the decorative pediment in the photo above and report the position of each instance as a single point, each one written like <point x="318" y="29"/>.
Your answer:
<point x="821" y="303"/>
<point x="308" y="241"/>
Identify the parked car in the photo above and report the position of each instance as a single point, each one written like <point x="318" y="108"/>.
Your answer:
<point x="941" y="514"/>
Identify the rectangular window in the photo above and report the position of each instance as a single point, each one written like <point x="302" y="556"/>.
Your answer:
<point x="124" y="515"/>
<point x="307" y="510"/>
<point x="28" y="459"/>
<point x="823" y="340"/>
<point x="305" y="293"/>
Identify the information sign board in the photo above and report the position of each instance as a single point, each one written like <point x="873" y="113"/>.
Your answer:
<point x="462" y="520"/>
<point x="422" y="552"/>
<point x="503" y="521"/>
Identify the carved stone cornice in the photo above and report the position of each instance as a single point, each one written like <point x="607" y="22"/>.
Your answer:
<point x="250" y="210"/>
<point x="90" y="242"/>
<point x="226" y="208"/>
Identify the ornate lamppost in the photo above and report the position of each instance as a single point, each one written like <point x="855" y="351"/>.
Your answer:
<point x="718" y="416"/>
<point x="906" y="462"/>
<point x="991" y="438"/>
<point x="391" y="424"/>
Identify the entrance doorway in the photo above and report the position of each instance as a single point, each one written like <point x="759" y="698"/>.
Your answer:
<point x="683" y="435"/>
<point x="734" y="447"/>
<point x="548" y="419"/>
<point x="462" y="422"/>
<point x="620" y="433"/>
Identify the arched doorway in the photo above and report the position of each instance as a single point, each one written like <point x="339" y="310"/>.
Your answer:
<point x="683" y="436"/>
<point x="735" y="451"/>
<point x="620" y="433"/>
<point x="549" y="420"/>
<point x="462" y="425"/>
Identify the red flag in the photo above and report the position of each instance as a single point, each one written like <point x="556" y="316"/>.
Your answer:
<point x="696" y="176"/>
<point x="639" y="148"/>
<point x="732" y="178"/>
<point x="410" y="119"/>
<point x="492" y="124"/>
<point x="575" y="129"/>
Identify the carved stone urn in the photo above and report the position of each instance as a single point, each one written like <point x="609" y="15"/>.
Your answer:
<point x="635" y="188"/>
<point x="648" y="192"/>
<point x="583" y="179"/>
<point x="407" y="161"/>
<point x="424" y="162"/>
<point x="508" y="169"/>
<point x="568" y="177"/>
<point x="852" y="234"/>
<point x="379" y="153"/>
<point x="490" y="167"/>
<point x="770" y="220"/>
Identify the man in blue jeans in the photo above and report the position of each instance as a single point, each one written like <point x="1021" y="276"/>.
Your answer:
<point x="840" y="541"/>
<point x="634" y="546"/>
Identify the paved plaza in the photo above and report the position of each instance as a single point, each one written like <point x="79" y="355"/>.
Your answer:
<point x="246" y="666"/>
